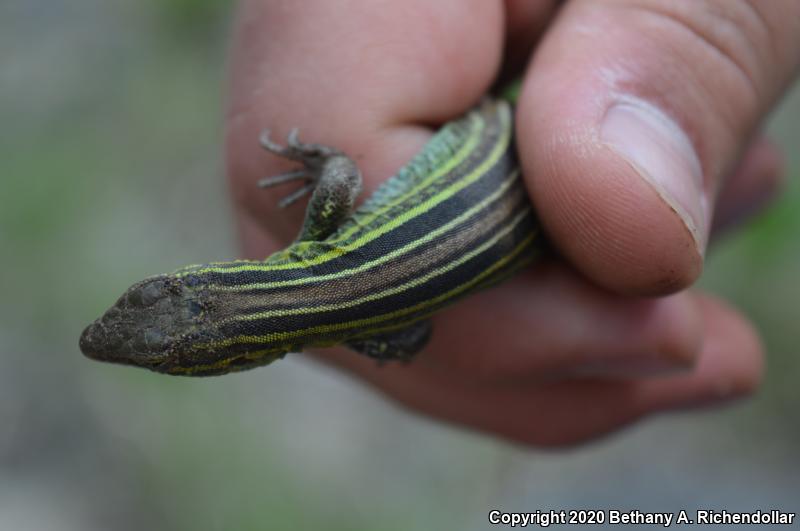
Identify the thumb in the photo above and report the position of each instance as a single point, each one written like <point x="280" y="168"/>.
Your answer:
<point x="632" y="112"/>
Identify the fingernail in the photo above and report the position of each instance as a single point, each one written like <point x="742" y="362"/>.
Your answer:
<point x="663" y="155"/>
<point x="625" y="367"/>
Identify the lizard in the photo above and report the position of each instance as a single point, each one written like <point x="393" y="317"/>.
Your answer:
<point x="453" y="220"/>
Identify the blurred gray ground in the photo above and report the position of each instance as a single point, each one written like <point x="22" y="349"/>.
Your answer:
<point x="110" y="160"/>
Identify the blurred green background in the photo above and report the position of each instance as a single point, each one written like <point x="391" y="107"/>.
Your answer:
<point x="111" y="171"/>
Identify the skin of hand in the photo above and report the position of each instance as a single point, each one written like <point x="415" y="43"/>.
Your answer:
<point x="637" y="129"/>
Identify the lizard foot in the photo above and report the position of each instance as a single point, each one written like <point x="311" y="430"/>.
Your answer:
<point x="312" y="156"/>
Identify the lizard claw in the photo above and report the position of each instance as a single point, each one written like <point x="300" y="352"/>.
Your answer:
<point x="275" y="180"/>
<point x="267" y="143"/>
<point x="297" y="194"/>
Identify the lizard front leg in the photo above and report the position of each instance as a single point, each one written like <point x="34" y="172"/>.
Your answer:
<point x="333" y="177"/>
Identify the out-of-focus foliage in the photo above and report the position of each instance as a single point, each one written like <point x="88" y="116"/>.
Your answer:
<point x="196" y="21"/>
<point x="758" y="269"/>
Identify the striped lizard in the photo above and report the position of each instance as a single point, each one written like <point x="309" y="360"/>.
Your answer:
<point x="454" y="220"/>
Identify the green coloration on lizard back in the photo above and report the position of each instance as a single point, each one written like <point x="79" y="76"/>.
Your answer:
<point x="453" y="220"/>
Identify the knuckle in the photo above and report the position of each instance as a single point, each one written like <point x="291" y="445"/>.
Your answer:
<point x="715" y="36"/>
<point x="754" y="44"/>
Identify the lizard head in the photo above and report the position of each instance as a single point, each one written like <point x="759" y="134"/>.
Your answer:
<point x="165" y="324"/>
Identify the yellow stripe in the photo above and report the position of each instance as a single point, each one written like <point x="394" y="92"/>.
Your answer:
<point x="474" y="175"/>
<point x="463" y="152"/>
<point x="477" y="126"/>
<point x="384" y="258"/>
<point x="393" y="290"/>
<point x="255" y="356"/>
<point x="488" y="282"/>
<point x="367" y="322"/>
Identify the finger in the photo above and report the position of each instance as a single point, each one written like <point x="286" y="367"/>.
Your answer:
<point x="367" y="78"/>
<point x="751" y="187"/>
<point x="526" y="21"/>
<point x="631" y="113"/>
<point x="731" y="364"/>
<point x="572" y="412"/>
<point x="550" y="322"/>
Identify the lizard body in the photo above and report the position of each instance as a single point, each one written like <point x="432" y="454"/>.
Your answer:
<point x="453" y="220"/>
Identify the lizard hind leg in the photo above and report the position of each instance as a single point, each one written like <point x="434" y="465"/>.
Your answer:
<point x="400" y="345"/>
<point x="332" y="176"/>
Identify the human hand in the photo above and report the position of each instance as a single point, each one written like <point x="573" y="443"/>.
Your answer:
<point x="636" y="129"/>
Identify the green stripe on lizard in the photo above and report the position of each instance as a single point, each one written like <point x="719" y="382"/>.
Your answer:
<point x="455" y="219"/>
